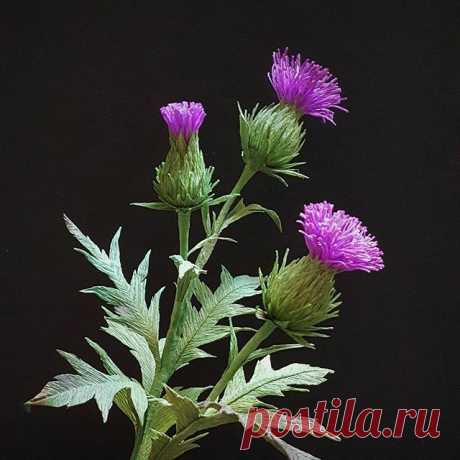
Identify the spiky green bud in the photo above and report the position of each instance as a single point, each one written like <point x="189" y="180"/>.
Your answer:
<point x="271" y="138"/>
<point x="300" y="295"/>
<point x="183" y="180"/>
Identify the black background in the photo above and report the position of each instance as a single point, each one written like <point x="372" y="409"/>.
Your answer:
<point x="82" y="133"/>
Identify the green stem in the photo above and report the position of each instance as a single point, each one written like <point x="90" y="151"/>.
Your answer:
<point x="252" y="345"/>
<point x="207" y="249"/>
<point x="183" y="222"/>
<point x="140" y="452"/>
<point x="162" y="376"/>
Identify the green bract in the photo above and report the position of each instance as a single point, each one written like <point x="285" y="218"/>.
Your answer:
<point x="183" y="180"/>
<point x="271" y="138"/>
<point x="300" y="295"/>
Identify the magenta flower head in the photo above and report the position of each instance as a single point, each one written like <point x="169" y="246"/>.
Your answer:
<point x="307" y="86"/>
<point x="183" y="118"/>
<point x="338" y="240"/>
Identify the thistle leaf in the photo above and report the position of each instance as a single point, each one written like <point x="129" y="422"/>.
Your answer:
<point x="192" y="393"/>
<point x="158" y="206"/>
<point x="139" y="349"/>
<point x="185" y="410"/>
<point x="242" y="210"/>
<point x="74" y="389"/>
<point x="123" y="398"/>
<point x="185" y="266"/>
<point x="262" y="352"/>
<point x="269" y="382"/>
<point x="201" y="326"/>
<point x="128" y="298"/>
<point x="206" y="240"/>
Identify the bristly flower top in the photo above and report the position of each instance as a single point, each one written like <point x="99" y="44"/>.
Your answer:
<point x="338" y="240"/>
<point x="307" y="86"/>
<point x="183" y="118"/>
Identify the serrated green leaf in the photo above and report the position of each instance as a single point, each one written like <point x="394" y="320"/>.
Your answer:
<point x="233" y="349"/>
<point x="71" y="390"/>
<point x="184" y="440"/>
<point x="206" y="240"/>
<point x="200" y="326"/>
<point x="185" y="266"/>
<point x="138" y="347"/>
<point x="157" y="206"/>
<point x="269" y="382"/>
<point x="242" y="210"/>
<point x="222" y="199"/>
<point x="123" y="398"/>
<point x="192" y="393"/>
<point x="128" y="298"/>
<point x="262" y="352"/>
<point x="185" y="410"/>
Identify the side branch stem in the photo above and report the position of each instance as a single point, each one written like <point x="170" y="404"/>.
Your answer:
<point x="252" y="345"/>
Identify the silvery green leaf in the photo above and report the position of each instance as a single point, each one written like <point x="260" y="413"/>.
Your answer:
<point x="164" y="416"/>
<point x="108" y="265"/>
<point x="262" y="352"/>
<point x="222" y="199"/>
<point x="138" y="347"/>
<point x="158" y="206"/>
<point x="239" y="380"/>
<point x="185" y="266"/>
<point x="233" y="349"/>
<point x="184" y="440"/>
<point x="127" y="298"/>
<point x="106" y="360"/>
<point x="242" y="210"/>
<point x="209" y="238"/>
<point x="185" y="410"/>
<point x="267" y="381"/>
<point x="201" y="326"/>
<point x="71" y="389"/>
<point x="123" y="398"/>
<point x="192" y="393"/>
<point x="165" y="447"/>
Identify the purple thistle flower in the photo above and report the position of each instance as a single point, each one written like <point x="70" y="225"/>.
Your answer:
<point x="183" y="118"/>
<point x="338" y="240"/>
<point x="312" y="89"/>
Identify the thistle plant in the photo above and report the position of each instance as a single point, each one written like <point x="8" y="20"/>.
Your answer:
<point x="297" y="296"/>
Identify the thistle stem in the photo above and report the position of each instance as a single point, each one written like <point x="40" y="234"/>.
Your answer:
<point x="183" y="222"/>
<point x="252" y="345"/>
<point x="245" y="177"/>
<point x="164" y="373"/>
<point x="207" y="249"/>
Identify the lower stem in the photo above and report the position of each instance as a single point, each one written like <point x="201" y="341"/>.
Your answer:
<point x="139" y="453"/>
<point x="252" y="345"/>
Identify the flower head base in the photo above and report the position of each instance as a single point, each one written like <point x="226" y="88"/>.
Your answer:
<point x="183" y="118"/>
<point x="307" y="86"/>
<point x="271" y="137"/>
<point x="298" y="296"/>
<point x="338" y="240"/>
